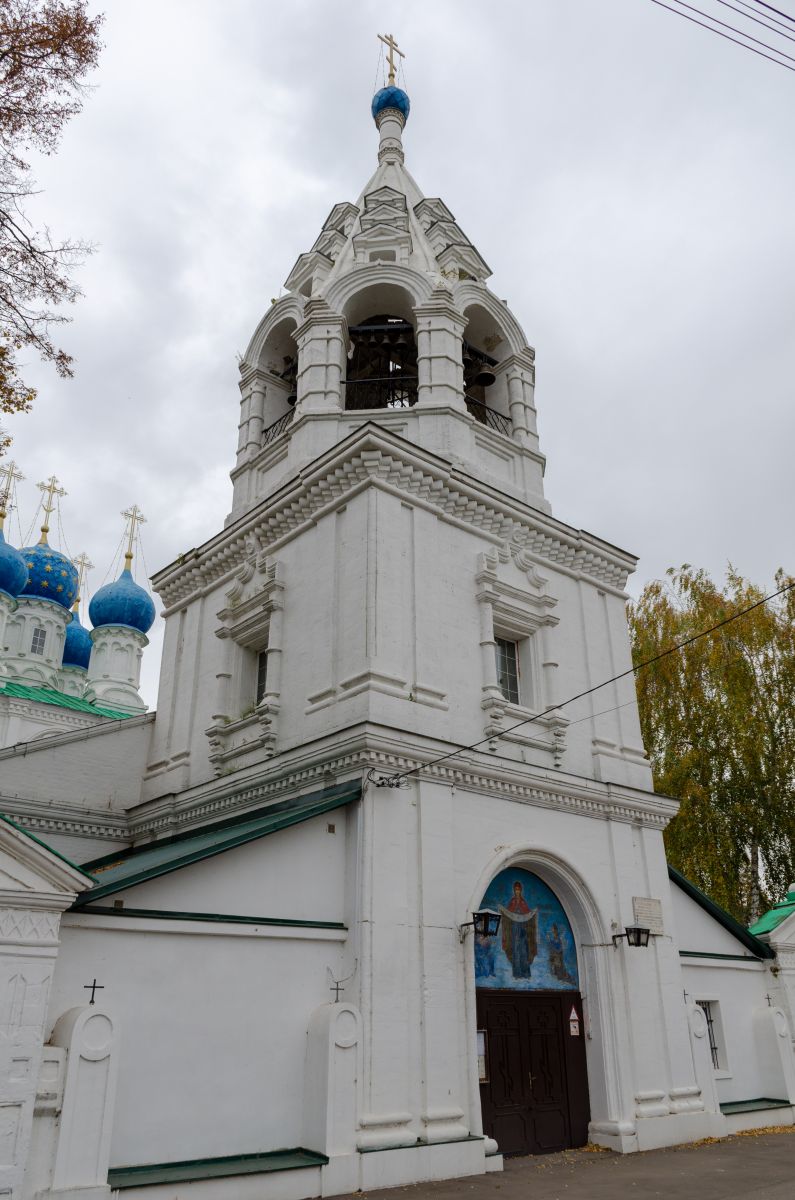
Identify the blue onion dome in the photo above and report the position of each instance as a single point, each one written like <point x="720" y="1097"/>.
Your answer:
<point x="51" y="575"/>
<point x="77" y="648"/>
<point x="13" y="569"/>
<point x="122" y="602"/>
<point x="391" y="97"/>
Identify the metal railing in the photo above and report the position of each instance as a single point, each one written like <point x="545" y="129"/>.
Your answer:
<point x="487" y="416"/>
<point x="278" y="427"/>
<point x="388" y="391"/>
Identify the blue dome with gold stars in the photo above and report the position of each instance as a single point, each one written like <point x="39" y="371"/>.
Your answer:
<point x="123" y="602"/>
<point x="391" y="97"/>
<point x="13" y="571"/>
<point x="77" y="648"/>
<point x="51" y="575"/>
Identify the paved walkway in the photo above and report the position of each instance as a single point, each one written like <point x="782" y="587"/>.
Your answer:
<point x="755" y="1167"/>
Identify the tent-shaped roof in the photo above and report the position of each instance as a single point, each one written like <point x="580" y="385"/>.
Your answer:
<point x="116" y="872"/>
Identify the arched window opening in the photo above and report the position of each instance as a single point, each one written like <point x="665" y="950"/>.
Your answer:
<point x="279" y="358"/>
<point x="479" y="375"/>
<point x="382" y="371"/>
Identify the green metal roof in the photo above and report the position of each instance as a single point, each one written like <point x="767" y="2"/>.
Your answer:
<point x="45" y="695"/>
<point x="214" y="1168"/>
<point x="774" y="916"/>
<point x="115" y="872"/>
<point x="757" y="948"/>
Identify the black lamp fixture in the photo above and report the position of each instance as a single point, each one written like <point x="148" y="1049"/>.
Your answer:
<point x="636" y="935"/>
<point x="485" y="924"/>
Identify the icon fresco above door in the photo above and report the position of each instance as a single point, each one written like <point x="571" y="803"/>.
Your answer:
<point x="534" y="948"/>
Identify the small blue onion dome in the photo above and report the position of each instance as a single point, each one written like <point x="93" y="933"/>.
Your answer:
<point x="51" y="575"/>
<point x="122" y="602"/>
<point x="13" y="569"/>
<point x="391" y="97"/>
<point x="77" y="648"/>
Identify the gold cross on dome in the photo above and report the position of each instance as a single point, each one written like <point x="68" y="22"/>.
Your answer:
<point x="9" y="475"/>
<point x="135" y="517"/>
<point x="392" y="46"/>
<point x="50" y="489"/>
<point x="84" y="565"/>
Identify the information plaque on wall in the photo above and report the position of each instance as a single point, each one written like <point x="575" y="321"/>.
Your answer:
<point x="648" y="912"/>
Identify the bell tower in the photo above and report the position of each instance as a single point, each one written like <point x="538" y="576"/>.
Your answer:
<point x="388" y="320"/>
<point x="390" y="559"/>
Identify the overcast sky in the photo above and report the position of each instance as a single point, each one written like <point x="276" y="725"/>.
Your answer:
<point x="628" y="176"/>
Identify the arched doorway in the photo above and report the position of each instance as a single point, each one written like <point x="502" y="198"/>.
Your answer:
<point x="530" y="1029"/>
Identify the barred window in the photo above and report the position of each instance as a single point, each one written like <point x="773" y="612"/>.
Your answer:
<point x="507" y="655"/>
<point x="38" y="640"/>
<point x="708" y="1008"/>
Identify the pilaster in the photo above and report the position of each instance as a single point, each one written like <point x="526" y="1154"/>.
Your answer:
<point x="440" y="367"/>
<point x="322" y="352"/>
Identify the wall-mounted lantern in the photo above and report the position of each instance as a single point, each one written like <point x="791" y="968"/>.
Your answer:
<point x="485" y="924"/>
<point x="636" y="935"/>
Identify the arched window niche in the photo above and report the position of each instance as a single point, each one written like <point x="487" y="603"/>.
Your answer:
<point x="534" y="949"/>
<point x="485" y="348"/>
<point x="382" y="370"/>
<point x="274" y="392"/>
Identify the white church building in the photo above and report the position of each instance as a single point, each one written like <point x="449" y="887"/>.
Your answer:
<point x="238" y="951"/>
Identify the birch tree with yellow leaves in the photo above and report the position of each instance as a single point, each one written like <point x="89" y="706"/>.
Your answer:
<point x="718" y="720"/>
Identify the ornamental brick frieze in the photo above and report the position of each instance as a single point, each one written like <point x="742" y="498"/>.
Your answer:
<point x="377" y="459"/>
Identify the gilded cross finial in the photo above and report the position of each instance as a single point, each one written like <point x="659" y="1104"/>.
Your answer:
<point x="51" y="490"/>
<point x="135" y="517"/>
<point x="84" y="565"/>
<point x="9" y="475"/>
<point x="392" y="50"/>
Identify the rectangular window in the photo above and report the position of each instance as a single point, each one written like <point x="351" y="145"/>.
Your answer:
<point x="507" y="655"/>
<point x="38" y="640"/>
<point x="708" y="1007"/>
<point x="262" y="673"/>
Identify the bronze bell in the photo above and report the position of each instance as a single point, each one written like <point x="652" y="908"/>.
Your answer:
<point x="485" y="377"/>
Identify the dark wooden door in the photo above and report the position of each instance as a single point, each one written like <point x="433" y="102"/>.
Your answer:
<point x="535" y="1096"/>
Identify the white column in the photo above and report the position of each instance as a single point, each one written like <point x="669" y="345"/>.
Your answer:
<point x="332" y="1075"/>
<point x="391" y="123"/>
<point x="322" y="355"/>
<point x="440" y="367"/>
<point x="80" y="1171"/>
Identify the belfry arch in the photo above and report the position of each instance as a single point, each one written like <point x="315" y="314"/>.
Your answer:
<point x="381" y="370"/>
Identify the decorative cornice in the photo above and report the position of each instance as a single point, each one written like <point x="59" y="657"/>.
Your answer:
<point x="364" y="748"/>
<point x="31" y="815"/>
<point x="375" y="456"/>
